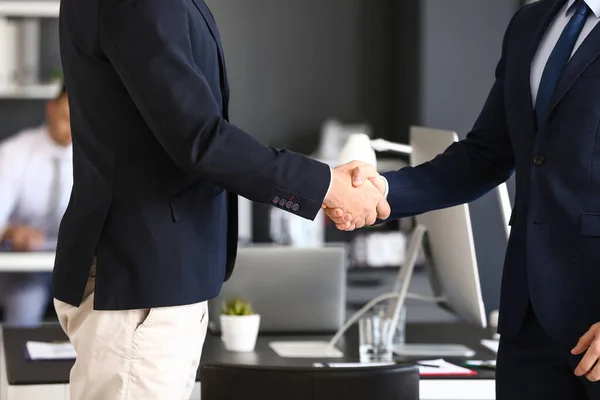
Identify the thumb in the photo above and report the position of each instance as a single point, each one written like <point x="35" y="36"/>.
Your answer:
<point x="584" y="342"/>
<point x="362" y="173"/>
<point x="383" y="209"/>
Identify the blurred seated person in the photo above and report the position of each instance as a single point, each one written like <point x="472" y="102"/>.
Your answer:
<point x="35" y="185"/>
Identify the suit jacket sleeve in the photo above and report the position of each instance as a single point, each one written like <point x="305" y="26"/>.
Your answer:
<point x="466" y="170"/>
<point x="149" y="45"/>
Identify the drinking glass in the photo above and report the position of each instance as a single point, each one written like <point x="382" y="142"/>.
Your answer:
<point x="375" y="338"/>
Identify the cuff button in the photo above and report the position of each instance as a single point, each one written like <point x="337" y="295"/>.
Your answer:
<point x="296" y="207"/>
<point x="275" y="200"/>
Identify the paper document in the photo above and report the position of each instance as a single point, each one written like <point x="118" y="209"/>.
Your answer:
<point x="50" y="351"/>
<point x="296" y="349"/>
<point x="353" y="365"/>
<point x="441" y="367"/>
<point x="491" y="345"/>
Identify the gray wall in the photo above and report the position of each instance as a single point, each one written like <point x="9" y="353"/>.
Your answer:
<point x="294" y="63"/>
<point x="461" y="43"/>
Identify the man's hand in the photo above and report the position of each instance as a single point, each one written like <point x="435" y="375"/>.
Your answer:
<point x="362" y="173"/>
<point x="24" y="238"/>
<point x="362" y="203"/>
<point x="590" y="343"/>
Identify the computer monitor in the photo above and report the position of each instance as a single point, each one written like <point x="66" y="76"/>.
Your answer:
<point x="449" y="246"/>
<point x="505" y="206"/>
<point x="294" y="289"/>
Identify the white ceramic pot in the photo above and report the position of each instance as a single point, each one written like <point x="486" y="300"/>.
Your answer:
<point x="358" y="148"/>
<point x="239" y="333"/>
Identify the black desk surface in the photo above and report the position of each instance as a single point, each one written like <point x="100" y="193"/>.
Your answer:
<point x="23" y="372"/>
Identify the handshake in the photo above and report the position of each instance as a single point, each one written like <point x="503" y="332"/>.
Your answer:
<point x="356" y="197"/>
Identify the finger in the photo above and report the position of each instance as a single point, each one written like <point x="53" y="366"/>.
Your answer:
<point x="343" y="226"/>
<point x="584" y="342"/>
<point x="371" y="219"/>
<point x="334" y="212"/>
<point x="383" y="209"/>
<point x="337" y="220"/>
<point x="347" y="217"/>
<point x="588" y="361"/>
<point x="359" y="223"/>
<point x="362" y="173"/>
<point x="346" y="227"/>
<point x="594" y="374"/>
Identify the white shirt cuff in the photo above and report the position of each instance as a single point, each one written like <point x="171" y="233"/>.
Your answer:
<point x="330" y="182"/>
<point x="387" y="187"/>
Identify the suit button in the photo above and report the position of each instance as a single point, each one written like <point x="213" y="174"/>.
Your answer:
<point x="538" y="160"/>
<point x="282" y="202"/>
<point x="275" y="200"/>
<point x="296" y="207"/>
<point x="289" y="204"/>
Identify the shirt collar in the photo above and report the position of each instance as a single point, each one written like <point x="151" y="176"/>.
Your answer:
<point x="594" y="5"/>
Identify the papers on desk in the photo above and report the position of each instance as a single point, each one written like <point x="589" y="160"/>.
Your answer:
<point x="426" y="368"/>
<point x="440" y="367"/>
<point x="38" y="351"/>
<point x="491" y="345"/>
<point x="353" y="365"/>
<point x="297" y="349"/>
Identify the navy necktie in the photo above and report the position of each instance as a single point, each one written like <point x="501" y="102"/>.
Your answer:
<point x="559" y="58"/>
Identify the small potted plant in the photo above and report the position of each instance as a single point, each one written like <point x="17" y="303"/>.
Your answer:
<point x="239" y="325"/>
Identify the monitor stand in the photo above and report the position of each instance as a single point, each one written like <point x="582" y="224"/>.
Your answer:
<point x="322" y="349"/>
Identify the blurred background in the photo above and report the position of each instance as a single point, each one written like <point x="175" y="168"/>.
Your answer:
<point x="301" y="70"/>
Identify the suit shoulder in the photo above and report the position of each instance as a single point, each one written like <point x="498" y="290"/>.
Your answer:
<point x="534" y="9"/>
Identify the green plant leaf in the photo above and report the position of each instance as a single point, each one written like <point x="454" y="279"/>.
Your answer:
<point x="237" y="307"/>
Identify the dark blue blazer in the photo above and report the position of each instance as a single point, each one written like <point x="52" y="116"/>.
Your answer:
<point x="553" y="255"/>
<point x="155" y="157"/>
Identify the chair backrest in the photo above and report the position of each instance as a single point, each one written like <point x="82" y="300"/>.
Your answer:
<point x="234" y="382"/>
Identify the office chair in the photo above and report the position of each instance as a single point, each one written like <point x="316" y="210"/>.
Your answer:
<point x="234" y="382"/>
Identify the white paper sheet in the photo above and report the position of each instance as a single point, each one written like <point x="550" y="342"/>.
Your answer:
<point x="353" y="365"/>
<point x="441" y="367"/>
<point x="491" y="345"/>
<point x="305" y="350"/>
<point x="50" y="351"/>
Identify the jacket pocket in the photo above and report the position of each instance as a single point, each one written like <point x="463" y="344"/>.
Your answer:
<point x="589" y="224"/>
<point x="184" y="203"/>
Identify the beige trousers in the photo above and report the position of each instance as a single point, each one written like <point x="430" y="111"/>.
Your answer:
<point x="150" y="354"/>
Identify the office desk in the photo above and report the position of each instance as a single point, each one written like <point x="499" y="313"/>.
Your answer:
<point x="26" y="262"/>
<point x="48" y="380"/>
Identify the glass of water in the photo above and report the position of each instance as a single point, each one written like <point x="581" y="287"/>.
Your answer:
<point x="375" y="337"/>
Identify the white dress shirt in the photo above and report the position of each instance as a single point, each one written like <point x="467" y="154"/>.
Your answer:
<point x="549" y="41"/>
<point x="27" y="165"/>
<point x="553" y="34"/>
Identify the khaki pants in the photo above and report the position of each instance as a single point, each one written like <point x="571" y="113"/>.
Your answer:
<point x="150" y="354"/>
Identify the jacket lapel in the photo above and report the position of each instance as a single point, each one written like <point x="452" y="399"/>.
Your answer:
<point x="212" y="26"/>
<point x="583" y="57"/>
<point x="525" y="82"/>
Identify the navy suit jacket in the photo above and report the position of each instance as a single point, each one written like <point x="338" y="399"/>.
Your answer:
<point x="155" y="157"/>
<point x="553" y="254"/>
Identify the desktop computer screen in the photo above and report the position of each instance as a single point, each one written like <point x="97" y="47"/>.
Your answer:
<point x="449" y="246"/>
